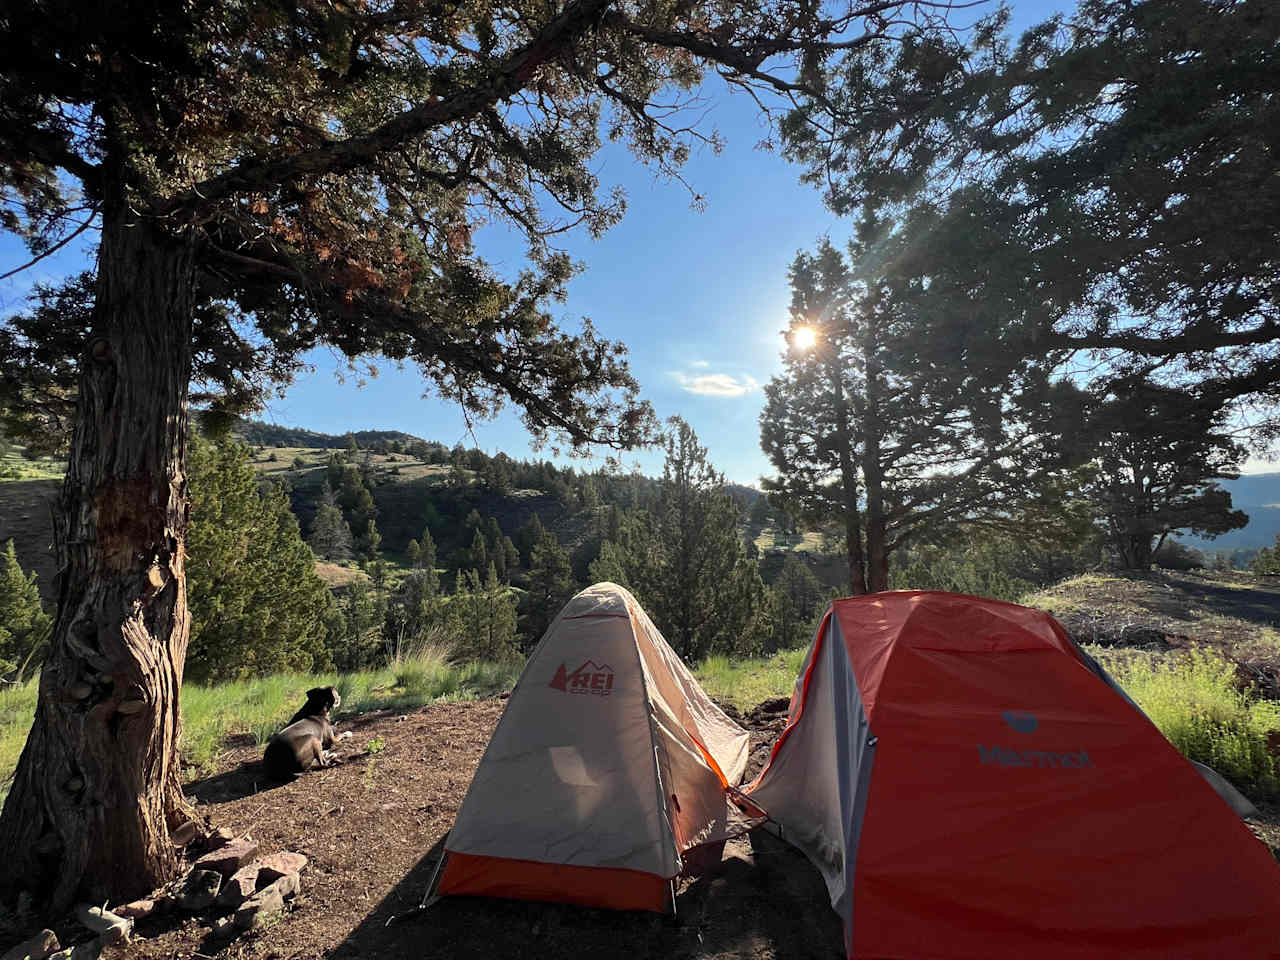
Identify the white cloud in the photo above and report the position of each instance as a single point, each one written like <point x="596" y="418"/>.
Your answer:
<point x="700" y="363"/>
<point x="715" y="384"/>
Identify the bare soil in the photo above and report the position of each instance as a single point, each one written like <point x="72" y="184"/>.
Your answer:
<point x="374" y="827"/>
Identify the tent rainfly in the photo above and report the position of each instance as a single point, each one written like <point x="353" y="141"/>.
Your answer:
<point x="971" y="784"/>
<point x="609" y="767"/>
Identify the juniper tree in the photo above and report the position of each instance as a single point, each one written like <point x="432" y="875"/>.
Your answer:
<point x="257" y="606"/>
<point x="330" y="536"/>
<point x="891" y="433"/>
<point x="1159" y="454"/>
<point x="427" y="560"/>
<point x="685" y="559"/>
<point x="798" y="600"/>
<point x="1112" y="174"/>
<point x="284" y="177"/>
<point x="24" y="626"/>
<point x="550" y="584"/>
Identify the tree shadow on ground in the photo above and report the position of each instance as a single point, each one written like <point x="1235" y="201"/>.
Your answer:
<point x="244" y="781"/>
<point x="1257" y="602"/>
<point x="763" y="899"/>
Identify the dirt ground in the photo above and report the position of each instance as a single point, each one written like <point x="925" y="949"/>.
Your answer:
<point x="374" y="827"/>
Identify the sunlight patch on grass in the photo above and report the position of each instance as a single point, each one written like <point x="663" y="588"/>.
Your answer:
<point x="748" y="683"/>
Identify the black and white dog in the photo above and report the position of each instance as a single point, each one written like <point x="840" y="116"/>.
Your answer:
<point x="307" y="740"/>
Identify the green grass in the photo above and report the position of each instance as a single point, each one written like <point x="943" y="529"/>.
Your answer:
<point x="746" y="683"/>
<point x="17" y="707"/>
<point x="259" y="707"/>
<point x="14" y="466"/>
<point x="1196" y="701"/>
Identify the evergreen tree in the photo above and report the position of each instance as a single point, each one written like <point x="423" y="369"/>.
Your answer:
<point x="24" y="626"/>
<point x="413" y="554"/>
<point x="1160" y="453"/>
<point x="257" y="606"/>
<point x="492" y="534"/>
<point x="477" y="557"/>
<point x="414" y="610"/>
<point x="427" y="561"/>
<point x="1267" y="561"/>
<point x="1106" y="176"/>
<point x="530" y="534"/>
<point x="360" y="640"/>
<point x="330" y="534"/>
<point x="482" y="618"/>
<point x="378" y="574"/>
<point x="895" y="436"/>
<point x="549" y="587"/>
<point x="798" y="603"/>
<point x="686" y="561"/>
<point x="610" y="565"/>
<point x="511" y="556"/>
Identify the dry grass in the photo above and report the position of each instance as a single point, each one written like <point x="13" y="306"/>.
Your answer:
<point x="336" y="576"/>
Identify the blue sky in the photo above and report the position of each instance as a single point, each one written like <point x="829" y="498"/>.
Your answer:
<point x="700" y="298"/>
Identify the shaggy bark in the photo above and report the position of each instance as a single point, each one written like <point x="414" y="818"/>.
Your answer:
<point x="97" y="789"/>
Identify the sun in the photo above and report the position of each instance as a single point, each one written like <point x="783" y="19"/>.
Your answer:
<point x="803" y="338"/>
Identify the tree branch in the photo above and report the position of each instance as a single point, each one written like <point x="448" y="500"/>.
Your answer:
<point x="257" y="175"/>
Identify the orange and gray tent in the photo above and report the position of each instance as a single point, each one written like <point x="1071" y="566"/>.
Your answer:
<point x="971" y="784"/>
<point x="609" y="770"/>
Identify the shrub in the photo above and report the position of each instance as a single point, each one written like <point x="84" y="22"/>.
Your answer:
<point x="1195" y="701"/>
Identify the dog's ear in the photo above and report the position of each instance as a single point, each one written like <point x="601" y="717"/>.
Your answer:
<point x="318" y="693"/>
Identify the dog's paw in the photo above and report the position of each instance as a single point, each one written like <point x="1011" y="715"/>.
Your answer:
<point x="345" y="736"/>
<point x="332" y="758"/>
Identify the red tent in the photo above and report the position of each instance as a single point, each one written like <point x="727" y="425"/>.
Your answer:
<point x="973" y="785"/>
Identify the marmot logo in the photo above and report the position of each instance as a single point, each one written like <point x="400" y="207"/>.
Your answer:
<point x="1021" y="722"/>
<point x="590" y="678"/>
<point x="1032" y="758"/>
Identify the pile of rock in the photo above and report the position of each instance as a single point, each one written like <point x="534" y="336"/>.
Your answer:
<point x="246" y="890"/>
<point x="253" y="891"/>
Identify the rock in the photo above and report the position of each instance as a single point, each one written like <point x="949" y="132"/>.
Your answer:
<point x="240" y="886"/>
<point x="288" y="886"/>
<point x="184" y="834"/>
<point x="224" y="928"/>
<point x="220" y="838"/>
<point x="260" y="908"/>
<point x="137" y="910"/>
<point x="37" y="948"/>
<point x="246" y="881"/>
<point x="81" y="951"/>
<point x="110" y="928"/>
<point x="230" y="858"/>
<point x="200" y="889"/>
<point x="280" y="864"/>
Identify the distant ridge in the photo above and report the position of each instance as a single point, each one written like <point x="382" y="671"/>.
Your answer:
<point x="1258" y="495"/>
<point x="262" y="434"/>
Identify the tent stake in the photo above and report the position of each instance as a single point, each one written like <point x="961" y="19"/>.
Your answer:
<point x="429" y="899"/>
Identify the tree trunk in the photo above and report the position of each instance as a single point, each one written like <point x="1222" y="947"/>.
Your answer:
<point x="848" y="481"/>
<point x="873" y="471"/>
<point x="97" y="789"/>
